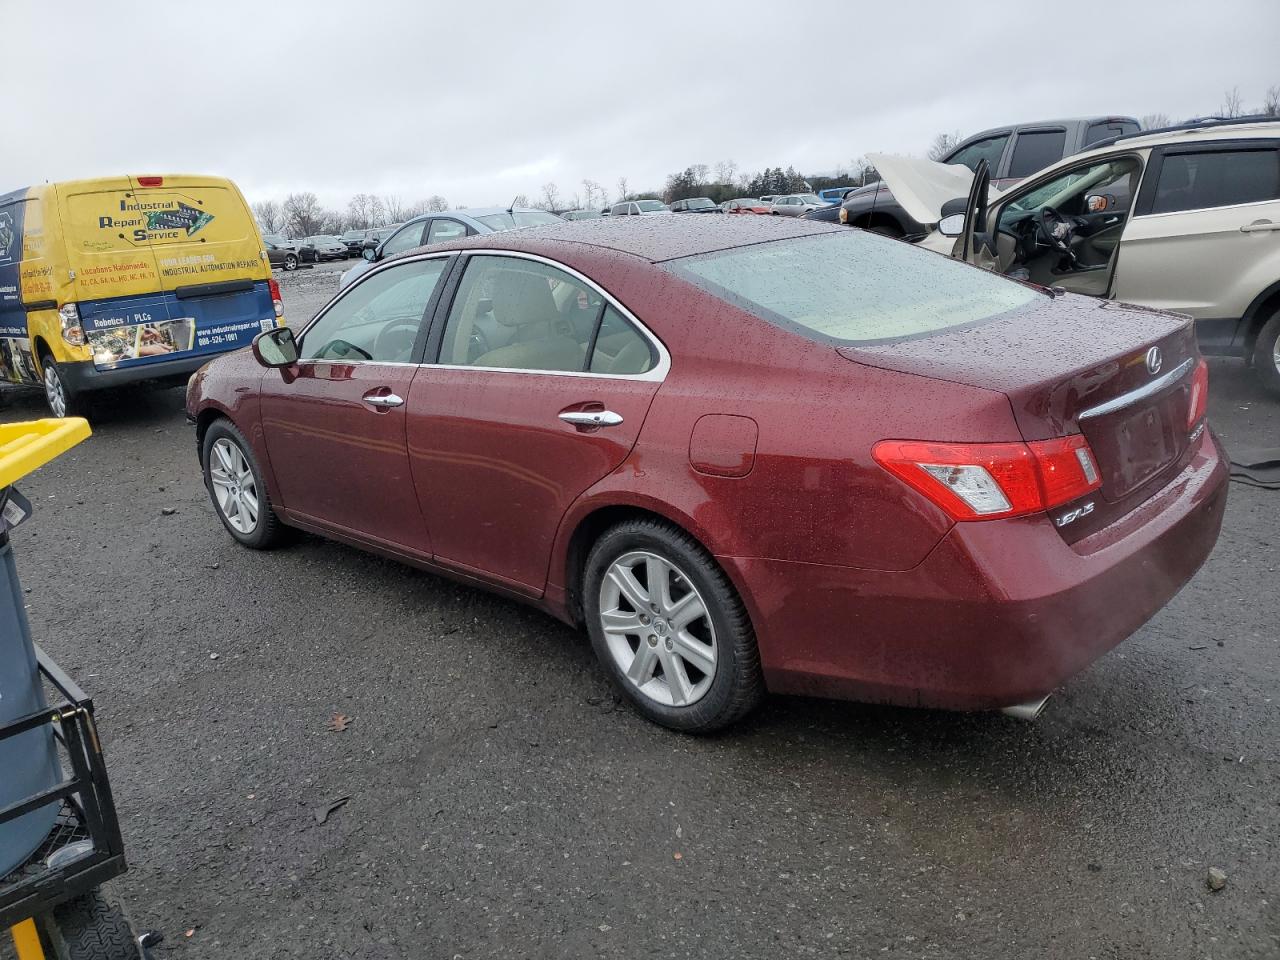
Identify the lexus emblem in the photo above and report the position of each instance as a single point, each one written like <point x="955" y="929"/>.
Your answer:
<point x="1154" y="361"/>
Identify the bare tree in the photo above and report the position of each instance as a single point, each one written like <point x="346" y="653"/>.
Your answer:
<point x="943" y="144"/>
<point x="270" y="216"/>
<point x="701" y="173"/>
<point x="596" y="195"/>
<point x="521" y="200"/>
<point x="303" y="214"/>
<point x="550" y="196"/>
<point x="395" y="209"/>
<point x="1154" y="121"/>
<point x="1271" y="105"/>
<point x="622" y="188"/>
<point x="364" y="210"/>
<point x="437" y="203"/>
<point x="725" y="171"/>
<point x="1231" y="103"/>
<point x="864" y="172"/>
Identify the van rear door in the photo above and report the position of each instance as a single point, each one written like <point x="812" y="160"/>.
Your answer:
<point x="117" y="280"/>
<point x="210" y="258"/>
<point x="169" y="268"/>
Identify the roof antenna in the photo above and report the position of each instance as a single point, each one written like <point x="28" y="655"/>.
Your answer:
<point x="512" y="208"/>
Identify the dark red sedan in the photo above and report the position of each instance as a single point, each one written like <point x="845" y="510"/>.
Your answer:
<point x="745" y="455"/>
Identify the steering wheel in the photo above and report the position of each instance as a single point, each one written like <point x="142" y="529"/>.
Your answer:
<point x="342" y="349"/>
<point x="387" y="346"/>
<point x="1056" y="229"/>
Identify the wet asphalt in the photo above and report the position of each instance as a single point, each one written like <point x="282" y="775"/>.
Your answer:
<point x="500" y="802"/>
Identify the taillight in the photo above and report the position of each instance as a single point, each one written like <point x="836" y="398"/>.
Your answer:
<point x="151" y="181"/>
<point x="276" y="302"/>
<point x="72" y="332"/>
<point x="1199" y="394"/>
<point x="991" y="481"/>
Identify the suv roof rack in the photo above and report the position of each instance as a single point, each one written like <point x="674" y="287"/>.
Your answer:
<point x="1195" y="123"/>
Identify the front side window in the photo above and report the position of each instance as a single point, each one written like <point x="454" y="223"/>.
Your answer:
<point x="1066" y="192"/>
<point x="523" y="315"/>
<point x="1035" y="150"/>
<point x="989" y="150"/>
<point x="378" y="319"/>
<point x="851" y="287"/>
<point x="408" y="238"/>
<point x="1222" y="178"/>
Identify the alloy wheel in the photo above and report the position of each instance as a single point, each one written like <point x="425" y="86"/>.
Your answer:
<point x="658" y="628"/>
<point x="1275" y="354"/>
<point x="53" y="391"/>
<point x="234" y="488"/>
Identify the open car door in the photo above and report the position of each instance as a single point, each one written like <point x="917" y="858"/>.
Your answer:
<point x="974" y="245"/>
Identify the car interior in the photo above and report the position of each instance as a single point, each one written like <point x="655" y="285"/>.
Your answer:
<point x="1065" y="232"/>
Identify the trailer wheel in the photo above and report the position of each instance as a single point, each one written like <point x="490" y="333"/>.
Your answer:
<point x="90" y="927"/>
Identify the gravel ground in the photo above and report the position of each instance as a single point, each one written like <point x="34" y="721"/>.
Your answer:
<point x="503" y="804"/>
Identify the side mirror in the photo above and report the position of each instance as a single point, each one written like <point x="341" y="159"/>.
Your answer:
<point x="369" y="253"/>
<point x="951" y="226"/>
<point x="1098" y="202"/>
<point x="276" y="348"/>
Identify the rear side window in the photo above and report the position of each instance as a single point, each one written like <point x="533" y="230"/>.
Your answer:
<point x="1105" y="129"/>
<point x="852" y="287"/>
<point x="990" y="150"/>
<point x="443" y="229"/>
<point x="1035" y="150"/>
<point x="1199" y="181"/>
<point x="619" y="347"/>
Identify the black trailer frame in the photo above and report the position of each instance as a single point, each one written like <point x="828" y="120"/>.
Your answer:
<point x="88" y="812"/>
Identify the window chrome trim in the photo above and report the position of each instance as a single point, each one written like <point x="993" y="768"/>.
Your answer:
<point x="1141" y="393"/>
<point x="657" y="374"/>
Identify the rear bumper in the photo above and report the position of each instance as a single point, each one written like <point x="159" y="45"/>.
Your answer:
<point x="83" y="377"/>
<point x="998" y="614"/>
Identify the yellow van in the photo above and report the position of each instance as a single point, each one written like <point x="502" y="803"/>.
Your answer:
<point x="127" y="279"/>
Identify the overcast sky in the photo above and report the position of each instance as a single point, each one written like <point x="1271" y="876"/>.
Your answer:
<point x="478" y="101"/>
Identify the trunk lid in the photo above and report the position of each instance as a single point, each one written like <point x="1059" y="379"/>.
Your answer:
<point x="1075" y="365"/>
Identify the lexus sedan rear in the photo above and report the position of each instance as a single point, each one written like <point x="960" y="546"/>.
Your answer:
<point x="745" y="455"/>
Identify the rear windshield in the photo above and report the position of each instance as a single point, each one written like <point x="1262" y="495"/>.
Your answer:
<point x="518" y="218"/>
<point x="852" y="287"/>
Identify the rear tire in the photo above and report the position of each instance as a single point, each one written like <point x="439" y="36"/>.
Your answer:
<point x="291" y="262"/>
<point x="1266" y="354"/>
<point x="709" y="661"/>
<point x="60" y="398"/>
<point x="90" y="927"/>
<point x="236" y="488"/>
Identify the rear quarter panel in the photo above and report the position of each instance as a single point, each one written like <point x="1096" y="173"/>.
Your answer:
<point x="813" y="492"/>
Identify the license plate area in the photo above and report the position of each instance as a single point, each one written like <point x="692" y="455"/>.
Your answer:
<point x="1135" y="444"/>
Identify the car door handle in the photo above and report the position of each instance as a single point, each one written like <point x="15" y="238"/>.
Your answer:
<point x="1258" y="226"/>
<point x="384" y="400"/>
<point x="591" y="418"/>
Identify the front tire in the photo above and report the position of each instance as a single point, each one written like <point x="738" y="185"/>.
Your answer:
<point x="234" y="481"/>
<point x="291" y="262"/>
<point x="1266" y="354"/>
<point x="60" y="398"/>
<point x="669" y="627"/>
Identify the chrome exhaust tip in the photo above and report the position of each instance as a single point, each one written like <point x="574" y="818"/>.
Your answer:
<point x="1026" y="711"/>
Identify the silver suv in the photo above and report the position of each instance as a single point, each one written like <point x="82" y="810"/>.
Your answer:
<point x="1185" y="218"/>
